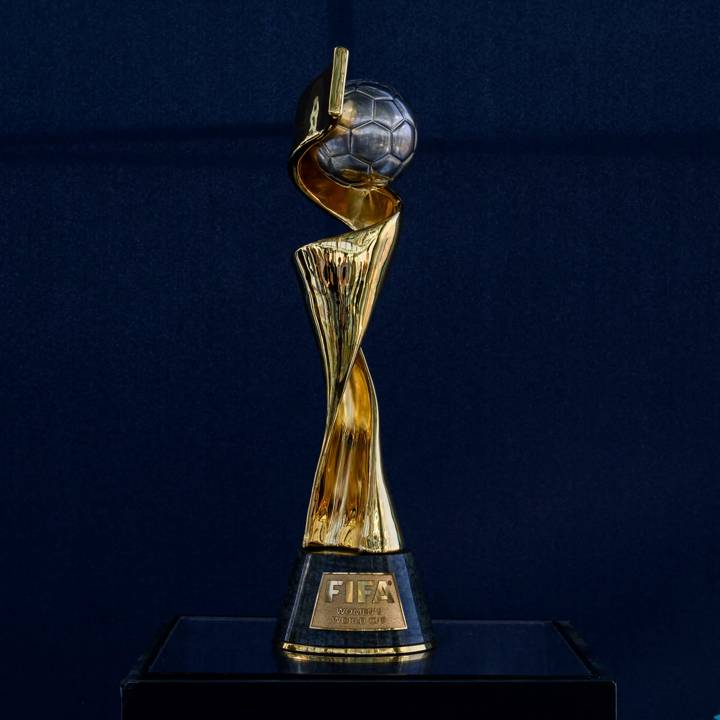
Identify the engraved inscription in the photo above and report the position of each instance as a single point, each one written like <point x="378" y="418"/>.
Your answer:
<point x="358" y="601"/>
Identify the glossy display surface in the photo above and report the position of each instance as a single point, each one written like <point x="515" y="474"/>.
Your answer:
<point x="465" y="649"/>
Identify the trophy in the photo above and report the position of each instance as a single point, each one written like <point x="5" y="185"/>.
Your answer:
<point x="354" y="591"/>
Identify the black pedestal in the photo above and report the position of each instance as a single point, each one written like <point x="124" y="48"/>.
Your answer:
<point x="211" y="668"/>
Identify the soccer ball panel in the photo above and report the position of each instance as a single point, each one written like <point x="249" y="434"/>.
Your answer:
<point x="403" y="141"/>
<point x="357" y="110"/>
<point x="351" y="169"/>
<point x="371" y="89"/>
<point x="387" y="113"/>
<point x="339" y="143"/>
<point x="370" y="142"/>
<point x="388" y="166"/>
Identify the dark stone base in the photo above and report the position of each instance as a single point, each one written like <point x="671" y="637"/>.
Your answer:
<point x="294" y="631"/>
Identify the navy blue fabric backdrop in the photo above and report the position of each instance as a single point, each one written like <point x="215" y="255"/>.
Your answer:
<point x="545" y="348"/>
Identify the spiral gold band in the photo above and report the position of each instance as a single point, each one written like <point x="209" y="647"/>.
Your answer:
<point x="350" y="507"/>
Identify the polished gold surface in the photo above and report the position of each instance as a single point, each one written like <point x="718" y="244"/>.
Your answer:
<point x="337" y="83"/>
<point x="305" y="658"/>
<point x="350" y="507"/>
<point x="356" y="602"/>
<point x="391" y="652"/>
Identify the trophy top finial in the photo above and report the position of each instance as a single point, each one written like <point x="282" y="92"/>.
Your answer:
<point x="351" y="140"/>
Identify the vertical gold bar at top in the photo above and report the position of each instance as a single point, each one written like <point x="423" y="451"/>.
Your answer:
<point x="337" y="82"/>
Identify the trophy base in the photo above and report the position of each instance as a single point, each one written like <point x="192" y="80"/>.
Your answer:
<point x="349" y="604"/>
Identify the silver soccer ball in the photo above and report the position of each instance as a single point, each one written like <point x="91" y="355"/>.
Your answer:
<point x="375" y="137"/>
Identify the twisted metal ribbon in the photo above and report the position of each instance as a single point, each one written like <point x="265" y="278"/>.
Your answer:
<point x="350" y="507"/>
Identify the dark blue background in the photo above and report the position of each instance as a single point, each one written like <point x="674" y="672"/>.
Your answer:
<point x="545" y="349"/>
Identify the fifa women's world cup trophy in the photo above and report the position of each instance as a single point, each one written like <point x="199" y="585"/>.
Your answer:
<point x="354" y="591"/>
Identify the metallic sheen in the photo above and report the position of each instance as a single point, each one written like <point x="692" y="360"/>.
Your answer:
<point x="350" y="507"/>
<point x="369" y="651"/>
<point x="375" y="137"/>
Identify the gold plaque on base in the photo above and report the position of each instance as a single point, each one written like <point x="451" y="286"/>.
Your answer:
<point x="358" y="601"/>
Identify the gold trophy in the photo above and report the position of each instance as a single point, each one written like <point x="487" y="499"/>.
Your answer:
<point x="354" y="591"/>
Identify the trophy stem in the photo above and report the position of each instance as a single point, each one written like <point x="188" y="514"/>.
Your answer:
<point x="350" y="506"/>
